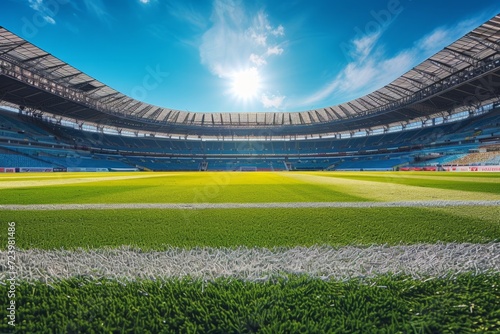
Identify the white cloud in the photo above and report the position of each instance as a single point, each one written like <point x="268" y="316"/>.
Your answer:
<point x="257" y="60"/>
<point x="364" y="45"/>
<point x="444" y="36"/>
<point x="144" y="1"/>
<point x="371" y="69"/>
<point x="275" y="50"/>
<point x="36" y="4"/>
<point x="46" y="12"/>
<point x="260" y="39"/>
<point x="49" y="9"/>
<point x="49" y="19"/>
<point x="429" y="42"/>
<point x="280" y="31"/>
<point x="273" y="101"/>
<point x="237" y="39"/>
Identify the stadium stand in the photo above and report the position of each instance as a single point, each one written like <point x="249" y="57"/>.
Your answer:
<point x="72" y="148"/>
<point x="474" y="159"/>
<point x="11" y="159"/>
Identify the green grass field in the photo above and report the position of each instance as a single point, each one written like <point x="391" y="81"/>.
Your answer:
<point x="162" y="229"/>
<point x="295" y="304"/>
<point x="234" y="187"/>
<point x="279" y="305"/>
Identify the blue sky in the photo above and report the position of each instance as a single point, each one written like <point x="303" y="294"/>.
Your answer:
<point x="230" y="55"/>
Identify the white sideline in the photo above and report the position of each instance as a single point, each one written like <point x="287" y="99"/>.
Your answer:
<point x="125" y="263"/>
<point x="199" y="206"/>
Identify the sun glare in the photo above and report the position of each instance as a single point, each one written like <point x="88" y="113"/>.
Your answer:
<point x="246" y="84"/>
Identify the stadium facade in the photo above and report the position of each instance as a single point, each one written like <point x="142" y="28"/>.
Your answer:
<point x="437" y="113"/>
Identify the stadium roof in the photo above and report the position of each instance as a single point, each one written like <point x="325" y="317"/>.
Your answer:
<point x="463" y="75"/>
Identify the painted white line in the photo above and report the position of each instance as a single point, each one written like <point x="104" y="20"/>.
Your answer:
<point x="420" y="260"/>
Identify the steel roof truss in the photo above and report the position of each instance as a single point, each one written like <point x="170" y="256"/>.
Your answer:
<point x="102" y="98"/>
<point x="16" y="45"/>
<point x="301" y="119"/>
<point x="355" y="108"/>
<point x="386" y="97"/>
<point x="155" y="114"/>
<point x="415" y="82"/>
<point x="123" y="103"/>
<point x="133" y="108"/>
<point x="462" y="56"/>
<point x="54" y="67"/>
<point x="345" y="111"/>
<point x="401" y="91"/>
<point x="485" y="42"/>
<point x="35" y="58"/>
<point x="115" y="102"/>
<point x="446" y="67"/>
<point x="167" y="116"/>
<point x="143" y="111"/>
<point x="377" y="103"/>
<point x="83" y="83"/>
<point x="319" y="116"/>
<point x="335" y="113"/>
<point x="329" y="114"/>
<point x="10" y="46"/>
<point x="431" y="76"/>
<point x="193" y="118"/>
<point x="70" y="76"/>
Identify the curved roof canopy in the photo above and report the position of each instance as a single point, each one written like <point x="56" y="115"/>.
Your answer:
<point x="463" y="75"/>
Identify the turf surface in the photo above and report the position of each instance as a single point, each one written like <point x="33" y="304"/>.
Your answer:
<point x="292" y="304"/>
<point x="177" y="188"/>
<point x="481" y="185"/>
<point x="160" y="229"/>
<point x="247" y="187"/>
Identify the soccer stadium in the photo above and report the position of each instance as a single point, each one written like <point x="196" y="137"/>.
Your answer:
<point x="380" y="214"/>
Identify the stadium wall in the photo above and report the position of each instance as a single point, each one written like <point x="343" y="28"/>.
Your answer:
<point x="472" y="168"/>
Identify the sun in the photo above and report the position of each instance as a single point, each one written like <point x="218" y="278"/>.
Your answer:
<point x="246" y="84"/>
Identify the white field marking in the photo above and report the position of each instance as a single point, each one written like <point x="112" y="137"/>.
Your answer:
<point x="274" y="205"/>
<point x="380" y="191"/>
<point x="325" y="262"/>
<point x="61" y="181"/>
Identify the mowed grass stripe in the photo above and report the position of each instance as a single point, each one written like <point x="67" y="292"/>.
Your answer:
<point x="445" y="176"/>
<point x="173" y="194"/>
<point x="161" y="229"/>
<point x="488" y="185"/>
<point x="182" y="188"/>
<point x="204" y="206"/>
<point x="388" y="191"/>
<point x="72" y="178"/>
<point x="231" y="187"/>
